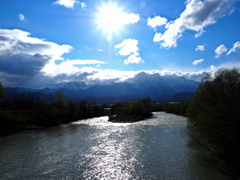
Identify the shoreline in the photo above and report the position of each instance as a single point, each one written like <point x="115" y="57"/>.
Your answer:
<point x="115" y="119"/>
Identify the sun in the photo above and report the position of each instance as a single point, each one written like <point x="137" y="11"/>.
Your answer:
<point x="110" y="18"/>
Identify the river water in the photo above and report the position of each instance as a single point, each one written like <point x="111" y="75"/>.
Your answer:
<point x="156" y="148"/>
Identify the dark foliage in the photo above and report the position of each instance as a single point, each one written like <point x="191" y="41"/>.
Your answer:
<point x="214" y="114"/>
<point x="25" y="111"/>
<point x="174" y="108"/>
<point x="133" y="111"/>
<point x="3" y="92"/>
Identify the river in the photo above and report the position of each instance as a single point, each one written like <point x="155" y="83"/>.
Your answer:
<point x="156" y="148"/>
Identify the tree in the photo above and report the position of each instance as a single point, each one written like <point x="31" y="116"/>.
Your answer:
<point x="214" y="113"/>
<point x="3" y="91"/>
<point x="59" y="104"/>
<point x="72" y="108"/>
<point x="60" y="98"/>
<point x="82" y="109"/>
<point x="134" y="111"/>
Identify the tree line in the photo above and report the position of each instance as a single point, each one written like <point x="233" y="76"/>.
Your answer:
<point x="27" y="110"/>
<point x="24" y="111"/>
<point x="178" y="108"/>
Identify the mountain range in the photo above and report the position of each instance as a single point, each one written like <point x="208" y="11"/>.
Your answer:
<point x="155" y="86"/>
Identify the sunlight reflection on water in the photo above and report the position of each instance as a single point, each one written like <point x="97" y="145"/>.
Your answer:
<point x="111" y="156"/>
<point x="99" y="121"/>
<point x="97" y="149"/>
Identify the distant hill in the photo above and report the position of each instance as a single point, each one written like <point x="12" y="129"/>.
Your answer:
<point x="64" y="85"/>
<point x="159" y="88"/>
<point x="182" y="96"/>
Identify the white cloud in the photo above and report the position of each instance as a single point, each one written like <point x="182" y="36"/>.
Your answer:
<point x="83" y="5"/>
<point x="232" y="11"/>
<point x="129" y="47"/>
<point x="170" y="36"/>
<point x="52" y="69"/>
<point x="157" y="37"/>
<point x="100" y="50"/>
<point x="236" y="46"/>
<point x="130" y="18"/>
<point x="66" y="3"/>
<point x="119" y="76"/>
<point x="21" y="17"/>
<point x="108" y="74"/>
<point x="199" y="33"/>
<point x="69" y="67"/>
<point x="226" y="65"/>
<point x="156" y="21"/>
<point x="19" y="42"/>
<point x="220" y="49"/>
<point x="200" y="48"/>
<point x="213" y="68"/>
<point x="134" y="58"/>
<point x="197" y="15"/>
<point x="82" y="62"/>
<point x="22" y="56"/>
<point x="197" y="61"/>
<point x="229" y="65"/>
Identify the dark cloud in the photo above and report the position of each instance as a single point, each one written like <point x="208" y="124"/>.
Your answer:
<point x="23" y="57"/>
<point x="4" y="38"/>
<point x="16" y="69"/>
<point x="12" y="80"/>
<point x="156" y="76"/>
<point x="22" y="64"/>
<point x="205" y="13"/>
<point x="41" y="79"/>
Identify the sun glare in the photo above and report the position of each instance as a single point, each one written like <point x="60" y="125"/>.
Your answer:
<point x="110" y="18"/>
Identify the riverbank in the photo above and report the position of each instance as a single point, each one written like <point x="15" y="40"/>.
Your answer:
<point x="116" y="119"/>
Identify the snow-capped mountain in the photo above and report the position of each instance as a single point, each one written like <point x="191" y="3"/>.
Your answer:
<point x="65" y="85"/>
<point x="142" y="85"/>
<point x="154" y="85"/>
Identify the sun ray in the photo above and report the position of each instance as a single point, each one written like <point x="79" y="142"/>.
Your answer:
<point x="110" y="19"/>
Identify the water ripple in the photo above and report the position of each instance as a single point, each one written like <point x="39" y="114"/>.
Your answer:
<point x="155" y="148"/>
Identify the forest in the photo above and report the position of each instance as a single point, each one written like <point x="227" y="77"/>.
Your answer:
<point x="25" y="111"/>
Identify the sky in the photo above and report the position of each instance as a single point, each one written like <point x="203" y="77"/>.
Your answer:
<point x="52" y="41"/>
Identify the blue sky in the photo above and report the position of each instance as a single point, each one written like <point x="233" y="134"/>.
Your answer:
<point x="50" y="41"/>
